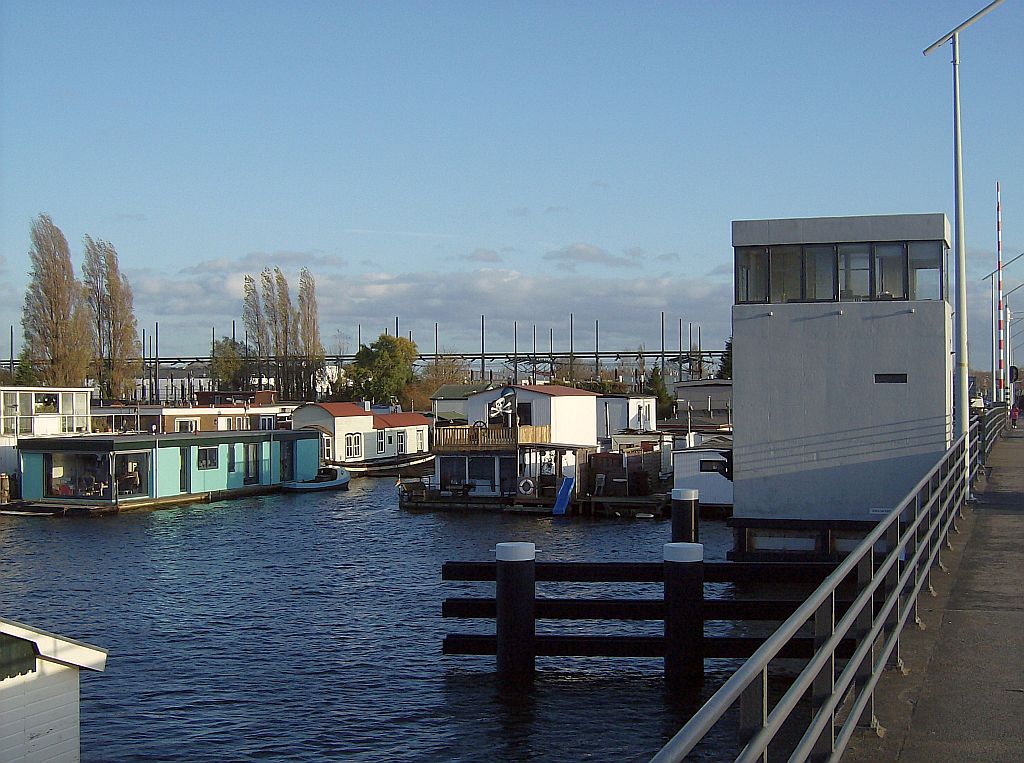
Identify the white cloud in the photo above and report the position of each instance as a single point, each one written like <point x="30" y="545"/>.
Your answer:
<point x="482" y="255"/>
<point x="581" y="253"/>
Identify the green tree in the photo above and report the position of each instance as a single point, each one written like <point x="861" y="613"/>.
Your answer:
<point x="725" y="367"/>
<point x="25" y="373"/>
<point x="383" y="369"/>
<point x="231" y="368"/>
<point x="656" y="386"/>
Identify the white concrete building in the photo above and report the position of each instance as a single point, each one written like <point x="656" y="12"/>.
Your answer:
<point x="842" y="375"/>
<point x="39" y="693"/>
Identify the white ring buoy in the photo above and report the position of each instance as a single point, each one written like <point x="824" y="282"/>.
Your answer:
<point x="527" y="486"/>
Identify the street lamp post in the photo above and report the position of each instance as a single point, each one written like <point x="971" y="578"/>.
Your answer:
<point x="962" y="412"/>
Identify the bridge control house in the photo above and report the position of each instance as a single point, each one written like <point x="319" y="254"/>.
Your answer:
<point x="842" y="367"/>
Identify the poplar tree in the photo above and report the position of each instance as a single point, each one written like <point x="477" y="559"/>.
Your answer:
<point x="255" y="323"/>
<point x="111" y="302"/>
<point x="55" y="316"/>
<point x="312" y="350"/>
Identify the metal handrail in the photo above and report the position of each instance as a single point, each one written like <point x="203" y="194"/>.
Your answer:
<point x="934" y="502"/>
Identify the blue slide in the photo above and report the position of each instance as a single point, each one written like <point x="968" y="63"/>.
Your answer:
<point x="564" y="492"/>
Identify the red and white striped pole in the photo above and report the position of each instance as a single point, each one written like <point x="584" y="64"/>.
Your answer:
<point x="1001" y="389"/>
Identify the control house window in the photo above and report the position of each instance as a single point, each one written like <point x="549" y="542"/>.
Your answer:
<point x="207" y="458"/>
<point x="843" y="272"/>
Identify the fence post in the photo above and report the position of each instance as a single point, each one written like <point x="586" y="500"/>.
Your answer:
<point x="515" y="593"/>
<point x="684" y="613"/>
<point x="685" y="515"/>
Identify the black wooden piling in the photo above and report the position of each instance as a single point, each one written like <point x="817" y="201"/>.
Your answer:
<point x="685" y="516"/>
<point x="515" y="594"/>
<point x="684" y="615"/>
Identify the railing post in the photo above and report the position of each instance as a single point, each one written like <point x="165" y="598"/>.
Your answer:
<point x="892" y="580"/>
<point x="865" y="571"/>
<point x="515" y="593"/>
<point x="685" y="516"/>
<point x="754" y="710"/>
<point x="824" y="682"/>
<point x="684" y="614"/>
<point x="919" y="499"/>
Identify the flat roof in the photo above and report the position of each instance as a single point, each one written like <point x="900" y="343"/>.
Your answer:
<point x="124" y="442"/>
<point x="833" y="230"/>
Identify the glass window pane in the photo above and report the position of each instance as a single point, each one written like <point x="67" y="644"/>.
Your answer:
<point x="46" y="402"/>
<point x="854" y="264"/>
<point x="820" y="272"/>
<point x="890" y="276"/>
<point x="751" y="274"/>
<point x="926" y="270"/>
<point x="785" y="274"/>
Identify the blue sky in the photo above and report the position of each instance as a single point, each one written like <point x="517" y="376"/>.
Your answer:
<point x="439" y="161"/>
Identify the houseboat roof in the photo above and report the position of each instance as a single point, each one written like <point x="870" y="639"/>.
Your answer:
<point x="341" y="410"/>
<point x="56" y="648"/>
<point x="126" y="442"/>
<point x="556" y="390"/>
<point x="396" y="420"/>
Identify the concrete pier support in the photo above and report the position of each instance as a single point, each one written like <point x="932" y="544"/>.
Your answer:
<point x="684" y="614"/>
<point x="515" y="594"/>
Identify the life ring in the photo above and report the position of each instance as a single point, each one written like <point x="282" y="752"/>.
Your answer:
<point x="527" y="486"/>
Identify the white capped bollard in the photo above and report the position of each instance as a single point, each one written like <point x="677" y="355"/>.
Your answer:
<point x="684" y="613"/>
<point x="515" y="593"/>
<point x="685" y="515"/>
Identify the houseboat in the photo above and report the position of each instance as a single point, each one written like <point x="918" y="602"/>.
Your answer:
<point x="97" y="471"/>
<point x="27" y="412"/>
<point x="365" y="441"/>
<point x="213" y="412"/>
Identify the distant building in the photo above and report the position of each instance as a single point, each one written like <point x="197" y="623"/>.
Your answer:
<point x="39" y="693"/>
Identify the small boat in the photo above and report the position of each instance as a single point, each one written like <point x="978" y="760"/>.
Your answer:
<point x="405" y="465"/>
<point x="327" y="478"/>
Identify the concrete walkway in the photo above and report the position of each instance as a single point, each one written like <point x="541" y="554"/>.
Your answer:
<point x="962" y="695"/>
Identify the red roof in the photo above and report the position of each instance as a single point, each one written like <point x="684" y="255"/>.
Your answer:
<point x="556" y="390"/>
<point x="340" y="410"/>
<point x="395" y="420"/>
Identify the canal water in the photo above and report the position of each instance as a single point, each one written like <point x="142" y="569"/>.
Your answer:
<point x="308" y="628"/>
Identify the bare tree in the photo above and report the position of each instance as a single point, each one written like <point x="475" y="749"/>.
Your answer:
<point x="272" y="323"/>
<point x="55" y="320"/>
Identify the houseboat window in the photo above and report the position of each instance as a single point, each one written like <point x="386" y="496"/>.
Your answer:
<point x="252" y="463"/>
<point x="131" y="474"/>
<point x="353" y="445"/>
<point x="186" y="425"/>
<point x="401" y="443"/>
<point x="266" y="422"/>
<point x="9" y="422"/>
<point x="419" y="441"/>
<point x="926" y="270"/>
<point x="239" y="422"/>
<point x="380" y="441"/>
<point x="820" y="273"/>
<point x="46" y="402"/>
<point x="328" y="447"/>
<point x="452" y="469"/>
<point x="481" y="471"/>
<point x="76" y="475"/>
<point x="712" y="465"/>
<point x="524" y="412"/>
<point x="287" y="461"/>
<point x="784" y="275"/>
<point x="231" y="457"/>
<point x="751" y="274"/>
<point x="890" y="271"/>
<point x="854" y="272"/>
<point x="507" y="476"/>
<point x="207" y="458"/>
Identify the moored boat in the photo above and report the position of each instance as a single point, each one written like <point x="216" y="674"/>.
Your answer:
<point x="327" y="478"/>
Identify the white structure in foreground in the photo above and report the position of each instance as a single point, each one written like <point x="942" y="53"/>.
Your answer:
<point x="39" y="693"/>
<point x="842" y="391"/>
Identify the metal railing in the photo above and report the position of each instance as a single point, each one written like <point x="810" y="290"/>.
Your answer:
<point x="991" y="422"/>
<point x="470" y="438"/>
<point x="908" y="541"/>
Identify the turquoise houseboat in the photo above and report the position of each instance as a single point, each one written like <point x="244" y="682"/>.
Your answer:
<point x="139" y="469"/>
